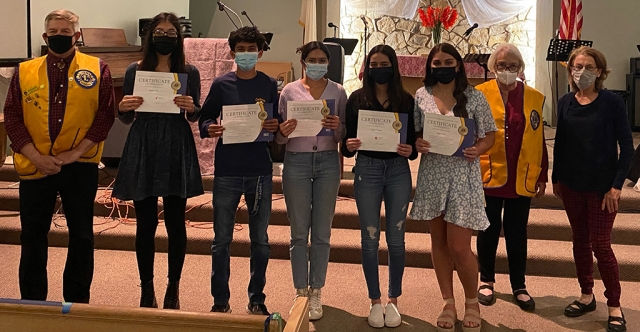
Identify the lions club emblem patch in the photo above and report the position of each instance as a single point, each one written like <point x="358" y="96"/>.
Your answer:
<point x="535" y="120"/>
<point x="85" y="78"/>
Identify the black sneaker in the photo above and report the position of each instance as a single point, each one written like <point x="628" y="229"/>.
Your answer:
<point x="221" y="308"/>
<point x="257" y="309"/>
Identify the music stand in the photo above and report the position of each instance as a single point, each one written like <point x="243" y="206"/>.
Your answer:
<point x="348" y="44"/>
<point x="559" y="50"/>
<point x="268" y="36"/>
<point x="481" y="60"/>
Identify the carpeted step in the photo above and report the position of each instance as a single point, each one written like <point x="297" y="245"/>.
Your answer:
<point x="546" y="258"/>
<point x="543" y="224"/>
<point x="629" y="199"/>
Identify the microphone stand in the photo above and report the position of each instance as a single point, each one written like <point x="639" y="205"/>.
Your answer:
<point x="249" y="18"/>
<point x="224" y="8"/>
<point x="366" y="28"/>
<point x="266" y="44"/>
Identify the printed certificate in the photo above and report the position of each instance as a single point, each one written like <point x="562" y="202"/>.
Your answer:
<point x="158" y="90"/>
<point x="243" y="123"/>
<point x="448" y="135"/>
<point x="310" y="115"/>
<point x="382" y="131"/>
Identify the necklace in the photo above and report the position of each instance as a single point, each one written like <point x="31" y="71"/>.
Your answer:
<point x="60" y="64"/>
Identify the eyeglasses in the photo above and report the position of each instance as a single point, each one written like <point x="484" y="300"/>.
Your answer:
<point x="161" y="33"/>
<point x="512" y="68"/>
<point x="588" y="68"/>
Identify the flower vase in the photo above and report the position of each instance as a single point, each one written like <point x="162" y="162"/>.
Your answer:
<point x="436" y="35"/>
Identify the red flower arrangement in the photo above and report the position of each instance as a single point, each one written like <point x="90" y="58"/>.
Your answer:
<point x="438" y="18"/>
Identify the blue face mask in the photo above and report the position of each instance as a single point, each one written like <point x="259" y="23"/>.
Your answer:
<point x="316" y="71"/>
<point x="246" y="60"/>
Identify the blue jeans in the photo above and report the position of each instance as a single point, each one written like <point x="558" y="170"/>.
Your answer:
<point x="310" y="183"/>
<point x="376" y="179"/>
<point x="226" y="196"/>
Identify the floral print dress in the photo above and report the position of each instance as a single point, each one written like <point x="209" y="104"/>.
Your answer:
<point x="452" y="185"/>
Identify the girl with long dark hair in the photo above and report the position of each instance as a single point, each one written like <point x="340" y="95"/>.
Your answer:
<point x="449" y="191"/>
<point x="160" y="158"/>
<point x="381" y="175"/>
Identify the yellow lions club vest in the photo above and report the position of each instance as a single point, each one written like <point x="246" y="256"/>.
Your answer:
<point x="80" y="110"/>
<point x="493" y="163"/>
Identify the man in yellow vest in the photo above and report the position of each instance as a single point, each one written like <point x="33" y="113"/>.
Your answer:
<point x="57" y="114"/>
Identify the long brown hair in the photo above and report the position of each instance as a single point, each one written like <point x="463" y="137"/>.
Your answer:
<point x="394" y="89"/>
<point x="460" y="109"/>
<point x="150" y="57"/>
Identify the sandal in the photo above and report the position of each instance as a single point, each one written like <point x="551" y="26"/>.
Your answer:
<point x="471" y="316"/>
<point x="448" y="317"/>
<point x="486" y="299"/>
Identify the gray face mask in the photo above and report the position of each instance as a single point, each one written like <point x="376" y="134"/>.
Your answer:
<point x="583" y="78"/>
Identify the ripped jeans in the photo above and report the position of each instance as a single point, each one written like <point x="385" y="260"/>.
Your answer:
<point x="376" y="179"/>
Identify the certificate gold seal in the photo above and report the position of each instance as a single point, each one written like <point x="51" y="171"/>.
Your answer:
<point x="176" y="85"/>
<point x="262" y="115"/>
<point x="463" y="130"/>
<point x="397" y="125"/>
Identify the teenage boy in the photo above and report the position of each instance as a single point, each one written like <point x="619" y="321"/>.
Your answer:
<point x="241" y="169"/>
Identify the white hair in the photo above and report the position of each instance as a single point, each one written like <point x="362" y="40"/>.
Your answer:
<point x="63" y="14"/>
<point x="508" y="49"/>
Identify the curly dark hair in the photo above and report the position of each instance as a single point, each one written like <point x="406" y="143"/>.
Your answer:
<point x="246" y="34"/>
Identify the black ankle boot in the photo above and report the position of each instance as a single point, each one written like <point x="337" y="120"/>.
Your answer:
<point x="148" y="295"/>
<point x="172" y="296"/>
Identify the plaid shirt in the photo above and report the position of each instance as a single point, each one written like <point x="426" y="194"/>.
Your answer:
<point x="58" y="80"/>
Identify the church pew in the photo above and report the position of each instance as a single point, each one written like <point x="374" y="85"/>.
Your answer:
<point x="36" y="316"/>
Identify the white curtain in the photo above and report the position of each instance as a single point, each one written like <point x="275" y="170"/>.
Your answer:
<point x="489" y="12"/>
<point x="376" y="8"/>
<point x="308" y="21"/>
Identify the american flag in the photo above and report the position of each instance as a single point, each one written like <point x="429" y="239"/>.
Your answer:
<point x="571" y="19"/>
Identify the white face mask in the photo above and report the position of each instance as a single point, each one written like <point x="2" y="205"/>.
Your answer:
<point x="584" y="78"/>
<point x="506" y="77"/>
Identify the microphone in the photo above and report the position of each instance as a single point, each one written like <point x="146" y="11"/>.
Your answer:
<point x="220" y="6"/>
<point x="468" y="32"/>
<point x="331" y="25"/>
<point x="557" y="34"/>
<point x="249" y="18"/>
<point x="364" y="19"/>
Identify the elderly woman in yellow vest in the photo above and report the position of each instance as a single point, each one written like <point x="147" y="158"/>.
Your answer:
<point x="513" y="171"/>
<point x="58" y="113"/>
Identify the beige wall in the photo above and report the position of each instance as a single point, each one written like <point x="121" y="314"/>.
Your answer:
<point x="614" y="28"/>
<point x="277" y="16"/>
<point x="122" y="14"/>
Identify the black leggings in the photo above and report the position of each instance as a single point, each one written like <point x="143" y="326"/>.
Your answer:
<point x="514" y="222"/>
<point x="146" y="225"/>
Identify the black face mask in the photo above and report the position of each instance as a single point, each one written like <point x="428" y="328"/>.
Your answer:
<point x="60" y="44"/>
<point x="381" y="75"/>
<point x="444" y="75"/>
<point x="165" y="45"/>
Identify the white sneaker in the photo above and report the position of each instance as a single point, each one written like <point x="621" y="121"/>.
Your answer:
<point x="315" y="304"/>
<point x="301" y="292"/>
<point x="376" y="316"/>
<point x="392" y="316"/>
